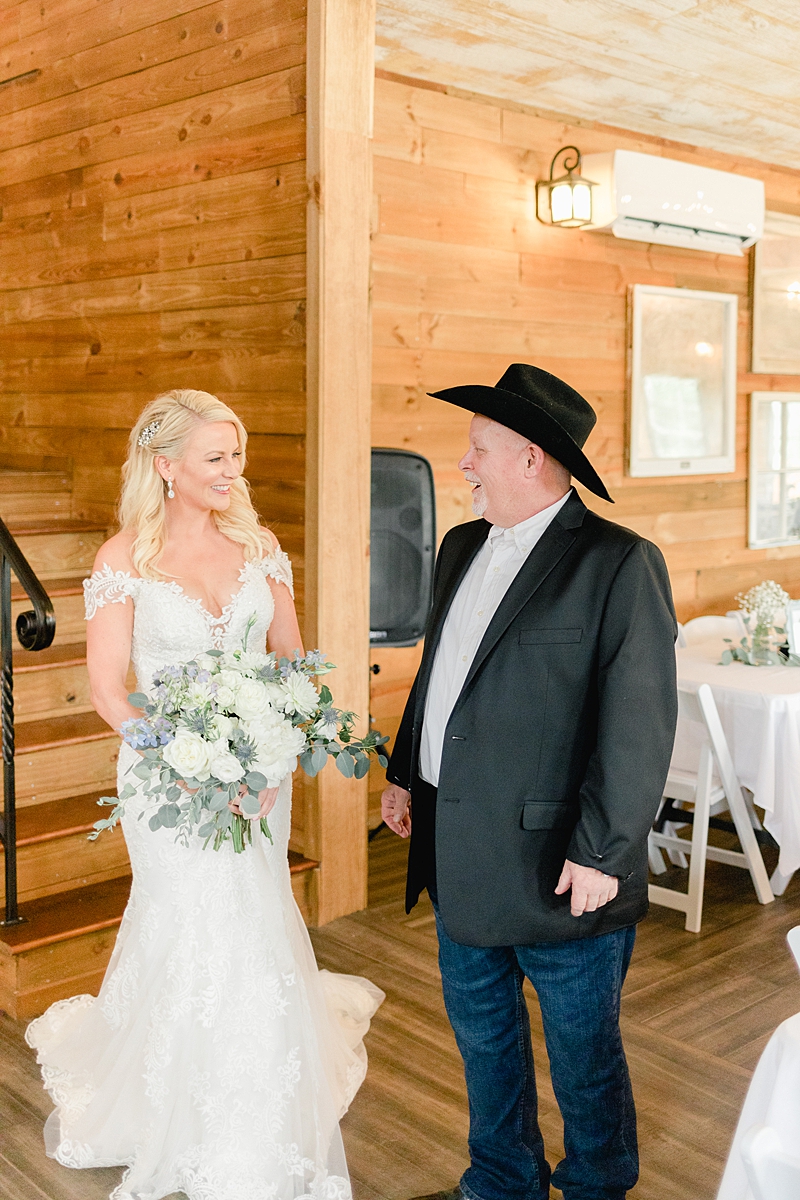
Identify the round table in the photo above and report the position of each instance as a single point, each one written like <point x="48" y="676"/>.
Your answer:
<point x="760" y="712"/>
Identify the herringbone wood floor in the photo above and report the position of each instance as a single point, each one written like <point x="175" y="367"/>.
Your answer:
<point x="698" y="1010"/>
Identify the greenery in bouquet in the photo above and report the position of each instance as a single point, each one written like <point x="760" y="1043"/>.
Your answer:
<point x="763" y="642"/>
<point x="224" y="727"/>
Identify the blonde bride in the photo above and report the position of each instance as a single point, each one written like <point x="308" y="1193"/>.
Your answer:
<point x="217" y="1059"/>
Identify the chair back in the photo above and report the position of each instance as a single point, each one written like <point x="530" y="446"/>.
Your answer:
<point x="701" y="629"/>
<point x="701" y="707"/>
<point x="771" y="1173"/>
<point x="793" y="938"/>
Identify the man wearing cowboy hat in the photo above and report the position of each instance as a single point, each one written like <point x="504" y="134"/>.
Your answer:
<point x="530" y="759"/>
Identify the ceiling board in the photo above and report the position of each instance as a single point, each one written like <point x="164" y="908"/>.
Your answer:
<point x="718" y="73"/>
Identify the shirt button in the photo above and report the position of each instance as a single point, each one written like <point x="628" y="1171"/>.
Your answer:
<point x="463" y="658"/>
<point x="480" y="612"/>
<point x="497" y="570"/>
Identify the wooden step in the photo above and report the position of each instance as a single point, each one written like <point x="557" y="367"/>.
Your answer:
<point x="14" y="482"/>
<point x="57" y="548"/>
<point x="63" y="947"/>
<point x="54" y="852"/>
<point x="64" y="756"/>
<point x="66" y="593"/>
<point x="51" y="683"/>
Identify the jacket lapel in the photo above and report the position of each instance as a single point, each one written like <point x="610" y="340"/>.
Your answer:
<point x="551" y="547"/>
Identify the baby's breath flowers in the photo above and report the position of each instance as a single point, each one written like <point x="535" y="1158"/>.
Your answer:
<point x="226" y="726"/>
<point x="761" y="645"/>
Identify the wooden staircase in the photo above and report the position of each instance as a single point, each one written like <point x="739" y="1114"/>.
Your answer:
<point x="72" y="892"/>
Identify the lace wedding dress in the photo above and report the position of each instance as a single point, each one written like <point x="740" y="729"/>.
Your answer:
<point x="217" y="1059"/>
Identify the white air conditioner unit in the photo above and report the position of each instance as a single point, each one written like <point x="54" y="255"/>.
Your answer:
<point x="651" y="199"/>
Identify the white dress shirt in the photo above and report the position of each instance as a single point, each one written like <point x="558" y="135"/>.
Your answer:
<point x="489" y="577"/>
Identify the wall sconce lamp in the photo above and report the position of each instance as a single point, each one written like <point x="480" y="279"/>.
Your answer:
<point x="567" y="200"/>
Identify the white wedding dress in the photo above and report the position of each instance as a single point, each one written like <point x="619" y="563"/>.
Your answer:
<point x="217" y="1059"/>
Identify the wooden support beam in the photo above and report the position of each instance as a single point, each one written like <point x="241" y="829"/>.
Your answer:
<point x="339" y="90"/>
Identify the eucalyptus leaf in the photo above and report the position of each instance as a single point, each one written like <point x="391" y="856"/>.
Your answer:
<point x="361" y="768"/>
<point x="383" y="760"/>
<point x="155" y="821"/>
<point x="319" y="756"/>
<point x="256" y="781"/>
<point x="249" y="805"/>
<point x="169" y="815"/>
<point x="218" y="801"/>
<point x="138" y="700"/>
<point x="128" y="791"/>
<point x="306" y="761"/>
<point x="346" y="764"/>
<point x="142" y="771"/>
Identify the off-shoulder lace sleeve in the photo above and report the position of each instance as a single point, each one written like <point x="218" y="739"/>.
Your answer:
<point x="278" y="565"/>
<point x="106" y="587"/>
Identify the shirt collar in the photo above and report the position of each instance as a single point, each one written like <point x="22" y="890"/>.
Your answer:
<point x="527" y="533"/>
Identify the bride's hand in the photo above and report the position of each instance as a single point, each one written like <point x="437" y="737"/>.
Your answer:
<point x="266" y="799"/>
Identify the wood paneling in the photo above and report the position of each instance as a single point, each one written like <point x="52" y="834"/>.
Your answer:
<point x="466" y="280"/>
<point x="338" y="471"/>
<point x="153" y="231"/>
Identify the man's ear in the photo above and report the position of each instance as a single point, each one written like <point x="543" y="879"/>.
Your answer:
<point x="534" y="459"/>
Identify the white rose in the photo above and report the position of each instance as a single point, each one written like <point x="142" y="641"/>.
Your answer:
<point x="227" y="678"/>
<point x="224" y="765"/>
<point x="225" y="696"/>
<point x="189" y="754"/>
<point x="224" y="726"/>
<point x="275" y="694"/>
<point x="251" y="660"/>
<point x="301" y="695"/>
<point x="251" y="699"/>
<point x="207" y="662"/>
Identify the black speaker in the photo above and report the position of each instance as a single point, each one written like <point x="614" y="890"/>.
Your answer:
<point x="402" y="547"/>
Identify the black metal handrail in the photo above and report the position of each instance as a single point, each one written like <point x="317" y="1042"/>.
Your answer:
<point x="35" y="631"/>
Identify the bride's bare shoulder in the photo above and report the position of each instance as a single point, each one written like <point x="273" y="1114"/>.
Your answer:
<point x="116" y="552"/>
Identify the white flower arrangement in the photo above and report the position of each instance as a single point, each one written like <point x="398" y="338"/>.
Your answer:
<point x="225" y="727"/>
<point x="762" y="644"/>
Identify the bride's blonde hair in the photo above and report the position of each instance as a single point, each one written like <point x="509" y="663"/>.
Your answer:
<point x="167" y="423"/>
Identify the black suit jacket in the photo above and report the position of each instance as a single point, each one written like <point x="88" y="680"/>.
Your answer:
<point x="559" y="743"/>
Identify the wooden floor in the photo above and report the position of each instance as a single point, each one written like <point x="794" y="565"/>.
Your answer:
<point x="698" y="1010"/>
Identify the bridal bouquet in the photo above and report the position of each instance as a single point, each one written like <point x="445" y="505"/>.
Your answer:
<point x="224" y="727"/>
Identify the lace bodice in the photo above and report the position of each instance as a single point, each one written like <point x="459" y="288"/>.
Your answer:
<point x="170" y="627"/>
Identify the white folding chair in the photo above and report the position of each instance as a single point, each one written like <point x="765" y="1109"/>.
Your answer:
<point x="712" y="789"/>
<point x="793" y="938"/>
<point x="701" y="629"/>
<point x="680" y="640"/>
<point x="771" y="1172"/>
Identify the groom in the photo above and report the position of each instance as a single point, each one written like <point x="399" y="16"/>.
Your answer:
<point x="531" y="758"/>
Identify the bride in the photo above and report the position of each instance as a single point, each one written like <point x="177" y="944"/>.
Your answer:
<point x="217" y="1060"/>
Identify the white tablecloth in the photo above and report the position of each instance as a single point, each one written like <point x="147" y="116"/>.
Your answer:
<point x="760" y="712"/>
<point x="773" y="1099"/>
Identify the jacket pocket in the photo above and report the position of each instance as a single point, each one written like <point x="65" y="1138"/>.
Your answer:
<point x="546" y="816"/>
<point x="537" y="637"/>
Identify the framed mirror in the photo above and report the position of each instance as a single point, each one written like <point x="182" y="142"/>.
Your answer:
<point x="774" y="477"/>
<point x="776" y="297"/>
<point x="682" y="381"/>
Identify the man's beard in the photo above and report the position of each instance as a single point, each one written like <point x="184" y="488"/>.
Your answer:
<point x="480" y="503"/>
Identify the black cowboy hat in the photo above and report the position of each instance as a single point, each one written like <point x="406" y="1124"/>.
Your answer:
<point x="541" y="407"/>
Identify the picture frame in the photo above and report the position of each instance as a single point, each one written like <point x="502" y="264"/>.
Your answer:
<point x="682" y="382"/>
<point x="776" y="297"/>
<point x="773" y="488"/>
<point x="793" y="626"/>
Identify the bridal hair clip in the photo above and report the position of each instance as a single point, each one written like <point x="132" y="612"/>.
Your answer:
<point x="148" y="433"/>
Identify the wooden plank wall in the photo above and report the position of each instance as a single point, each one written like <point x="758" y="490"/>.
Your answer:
<point x="153" y="230"/>
<point x="466" y="280"/>
<point x="153" y="234"/>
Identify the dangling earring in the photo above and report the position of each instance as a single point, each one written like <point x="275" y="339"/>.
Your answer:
<point x="170" y="493"/>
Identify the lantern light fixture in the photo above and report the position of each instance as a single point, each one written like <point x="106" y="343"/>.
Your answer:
<point x="567" y="199"/>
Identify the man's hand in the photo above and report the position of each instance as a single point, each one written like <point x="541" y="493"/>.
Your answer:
<point x="396" y="809"/>
<point x="591" y="889"/>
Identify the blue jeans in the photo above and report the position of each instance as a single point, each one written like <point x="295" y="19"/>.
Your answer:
<point x="578" y="985"/>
